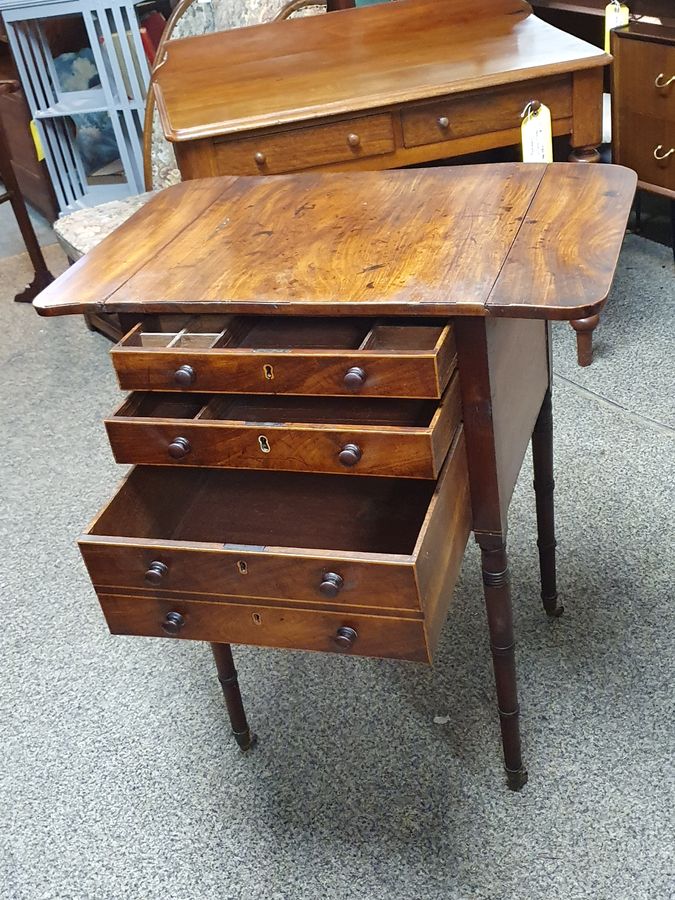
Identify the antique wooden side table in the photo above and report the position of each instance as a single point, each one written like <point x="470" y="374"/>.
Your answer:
<point x="334" y="381"/>
<point x="378" y="87"/>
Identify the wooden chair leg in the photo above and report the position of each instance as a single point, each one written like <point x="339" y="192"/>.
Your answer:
<point x="544" y="485"/>
<point x="584" y="329"/>
<point x="500" y="625"/>
<point x="227" y="676"/>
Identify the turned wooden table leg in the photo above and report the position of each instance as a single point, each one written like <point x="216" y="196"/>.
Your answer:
<point x="589" y="154"/>
<point x="500" y="624"/>
<point x="544" y="485"/>
<point x="227" y="676"/>
<point x="584" y="329"/>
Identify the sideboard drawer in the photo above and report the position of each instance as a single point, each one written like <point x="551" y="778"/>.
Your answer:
<point x="464" y="115"/>
<point x="303" y="148"/>
<point x="355" y="634"/>
<point x="405" y="438"/>
<point x="650" y="138"/>
<point x="644" y="69"/>
<point x="313" y="539"/>
<point x="277" y="355"/>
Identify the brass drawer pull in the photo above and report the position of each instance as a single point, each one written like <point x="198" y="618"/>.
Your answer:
<point x="156" y="571"/>
<point x="660" y="83"/>
<point x="443" y="122"/>
<point x="345" y="637"/>
<point x="173" y="622"/>
<point x="353" y="140"/>
<point x="662" y="156"/>
<point x="260" y="158"/>
<point x="179" y="448"/>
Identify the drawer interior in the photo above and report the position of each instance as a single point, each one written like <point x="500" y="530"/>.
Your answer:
<point x="213" y="332"/>
<point x="238" y="508"/>
<point x="280" y="410"/>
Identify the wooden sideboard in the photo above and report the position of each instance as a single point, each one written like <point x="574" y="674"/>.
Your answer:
<point x="335" y="379"/>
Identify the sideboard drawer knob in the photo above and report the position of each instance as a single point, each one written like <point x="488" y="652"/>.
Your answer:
<point x="260" y="158"/>
<point x="350" y="454"/>
<point x="345" y="637"/>
<point x="156" y="571"/>
<point x="179" y="448"/>
<point x="331" y="585"/>
<point x="355" y="378"/>
<point x="184" y="376"/>
<point x="443" y="122"/>
<point x="353" y="140"/>
<point x="173" y="622"/>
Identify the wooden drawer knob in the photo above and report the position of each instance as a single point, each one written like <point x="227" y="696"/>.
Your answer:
<point x="156" y="571"/>
<point x="443" y="122"/>
<point x="350" y="454"/>
<point x="353" y="140"/>
<point x="331" y="585"/>
<point x="179" y="447"/>
<point x="184" y="376"/>
<point x="355" y="378"/>
<point x="260" y="158"/>
<point x="345" y="637"/>
<point x="173" y="622"/>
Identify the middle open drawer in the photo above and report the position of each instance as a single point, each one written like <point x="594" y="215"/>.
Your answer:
<point x="405" y="438"/>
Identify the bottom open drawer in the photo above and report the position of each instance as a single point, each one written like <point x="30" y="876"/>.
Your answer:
<point x="282" y="559"/>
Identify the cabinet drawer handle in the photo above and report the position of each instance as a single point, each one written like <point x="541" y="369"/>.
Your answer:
<point x="173" y="622"/>
<point x="350" y="454"/>
<point x="355" y="378"/>
<point x="179" y="448"/>
<point x="260" y="158"/>
<point x="443" y="122"/>
<point x="353" y="140"/>
<point x="661" y="156"/>
<point x="331" y="585"/>
<point x="184" y="376"/>
<point x="660" y="83"/>
<point x="156" y="571"/>
<point x="345" y="637"/>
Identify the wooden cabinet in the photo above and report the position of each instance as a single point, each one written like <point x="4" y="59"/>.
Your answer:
<point x="643" y="104"/>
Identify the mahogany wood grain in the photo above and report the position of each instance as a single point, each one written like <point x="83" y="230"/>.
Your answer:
<point x="507" y="239"/>
<point x="394" y="438"/>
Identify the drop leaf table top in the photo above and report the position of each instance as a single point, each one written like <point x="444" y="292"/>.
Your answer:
<point x="510" y="240"/>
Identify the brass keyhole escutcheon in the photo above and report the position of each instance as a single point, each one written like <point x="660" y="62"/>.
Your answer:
<point x="242" y="566"/>
<point x="257" y="619"/>
<point x="264" y="444"/>
<point x="268" y="371"/>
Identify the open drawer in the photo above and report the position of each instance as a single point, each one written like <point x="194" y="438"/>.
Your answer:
<point x="374" y="546"/>
<point x="287" y="355"/>
<point x="371" y="436"/>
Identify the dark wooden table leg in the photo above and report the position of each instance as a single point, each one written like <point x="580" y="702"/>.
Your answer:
<point x="43" y="276"/>
<point x="502" y="643"/>
<point x="227" y="676"/>
<point x="544" y="485"/>
<point x="584" y="329"/>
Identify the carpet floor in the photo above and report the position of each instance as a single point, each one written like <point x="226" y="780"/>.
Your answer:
<point x="375" y="780"/>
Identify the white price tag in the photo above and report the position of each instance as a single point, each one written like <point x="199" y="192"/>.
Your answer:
<point x="537" y="134"/>
<point x="616" y="15"/>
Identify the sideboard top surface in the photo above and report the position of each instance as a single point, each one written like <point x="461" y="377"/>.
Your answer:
<point x="511" y="239"/>
<point x="355" y="60"/>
